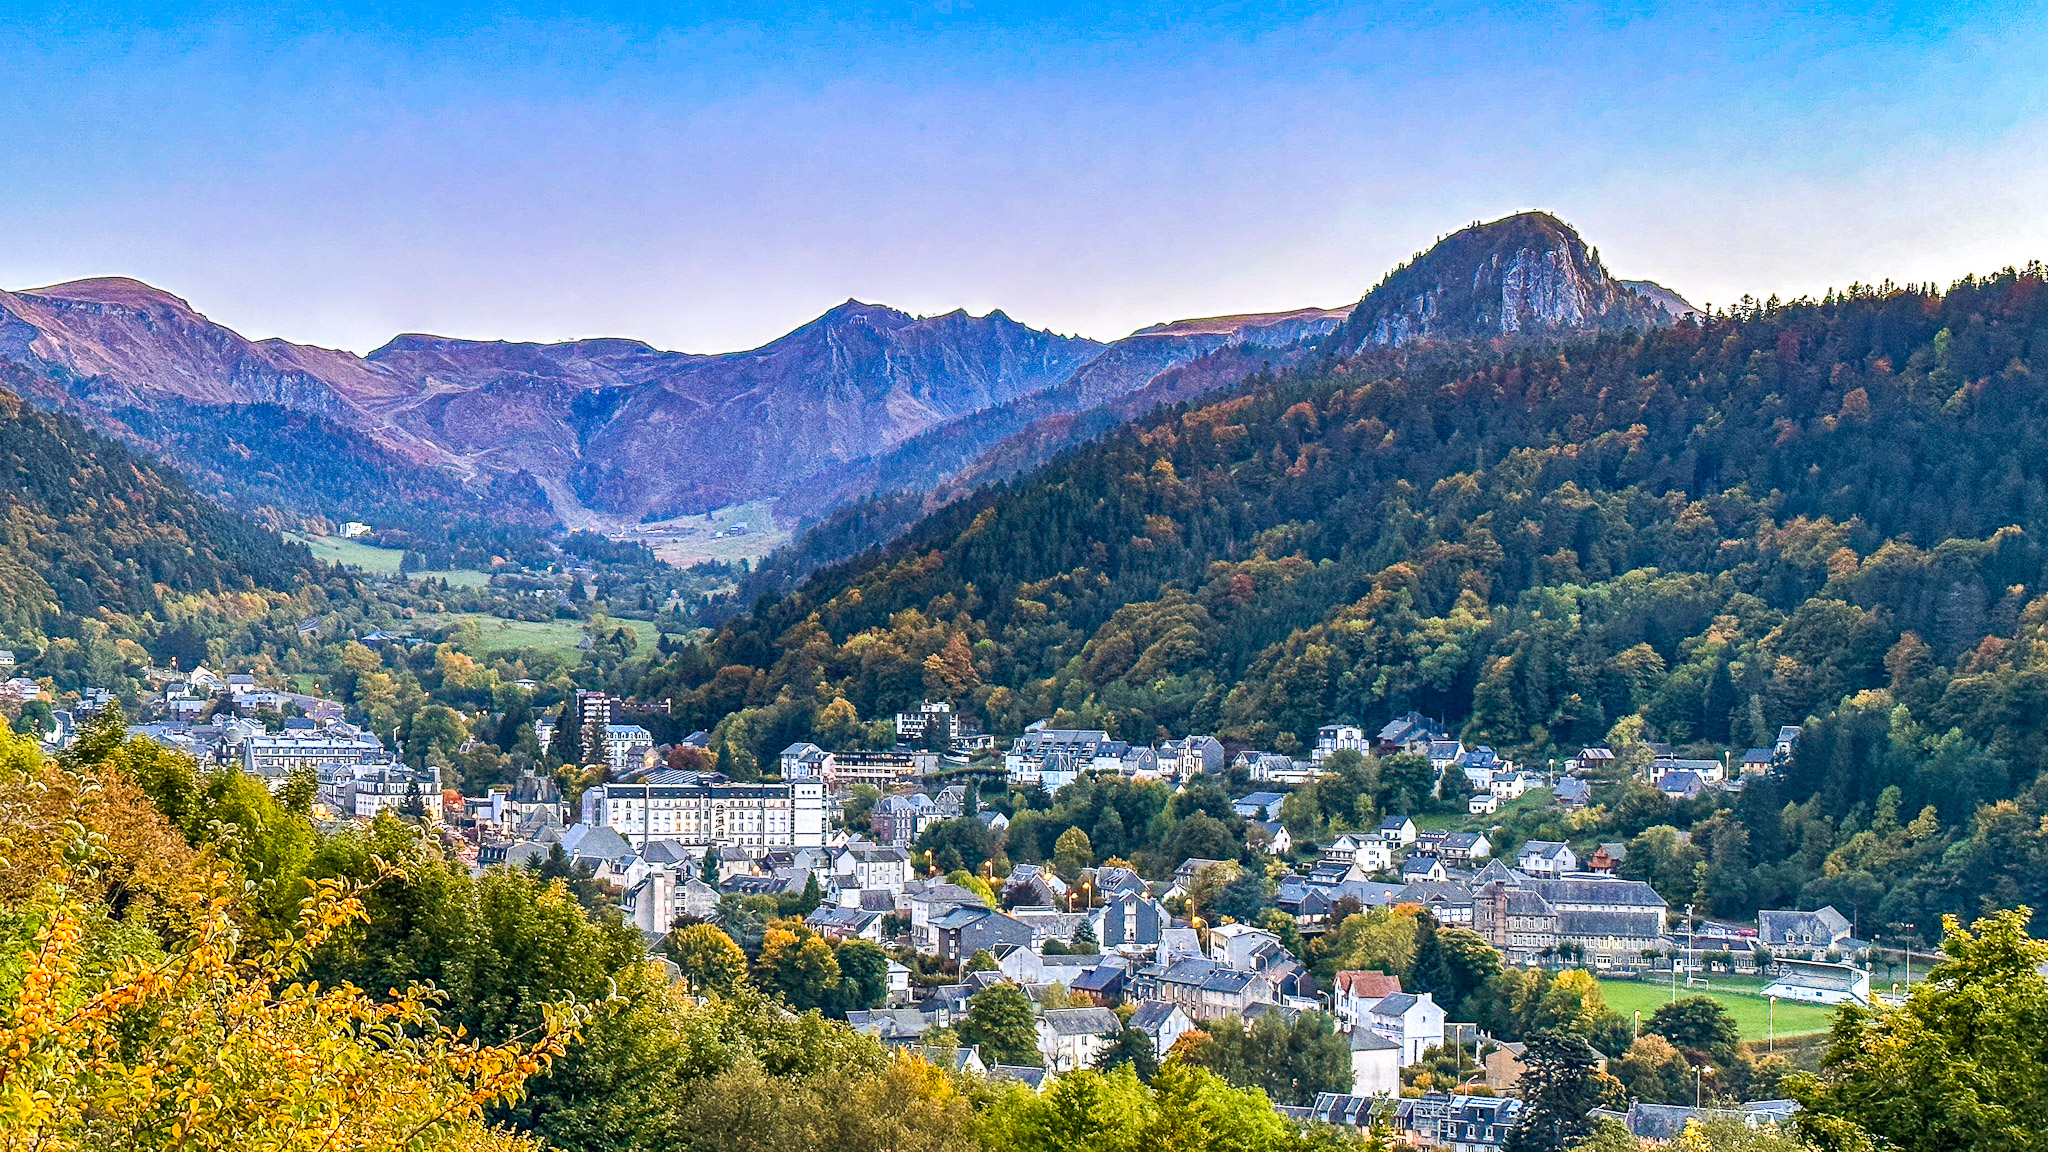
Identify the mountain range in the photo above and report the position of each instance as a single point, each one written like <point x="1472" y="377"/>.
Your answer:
<point x="864" y="399"/>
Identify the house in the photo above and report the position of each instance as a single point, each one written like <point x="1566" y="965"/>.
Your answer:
<point x="1483" y="804"/>
<point x="1275" y="768"/>
<point x="1504" y="1066"/>
<point x="962" y="931"/>
<point x="1818" y="983"/>
<point x="1506" y="787"/>
<point x="696" y="899"/>
<point x="836" y="923"/>
<point x="1354" y="994"/>
<point x="1592" y="759"/>
<point x="1810" y="934"/>
<point x="1459" y="1123"/>
<point x="1681" y="784"/>
<point x="1411" y="1019"/>
<point x="1191" y="870"/>
<point x="1054" y="757"/>
<point x="1343" y="1111"/>
<point x="1449" y="903"/>
<point x="1570" y="792"/>
<point x="1104" y="983"/>
<point x="1269" y="836"/>
<point x="1203" y="988"/>
<point x="1410" y="732"/>
<point x="1129" y="921"/>
<point x="1196" y="755"/>
<point x="1421" y="867"/>
<point x="805" y="759"/>
<point x="1788" y="737"/>
<point x="1481" y="765"/>
<point x="1259" y="805"/>
<point x="929" y="901"/>
<point x="1375" y="1064"/>
<point x="1072" y="1038"/>
<point x="1444" y="753"/>
<point x="1464" y="847"/>
<point x="1243" y="947"/>
<point x="1333" y="738"/>
<point x="1606" y="856"/>
<point x="900" y="820"/>
<point x="1034" y="884"/>
<point x="1117" y="881"/>
<point x="1397" y="832"/>
<point x="1162" y="1023"/>
<point x="1660" y="1124"/>
<point x="1758" y="761"/>
<point x="1033" y="1078"/>
<point x="1546" y="858"/>
<point x="872" y="867"/>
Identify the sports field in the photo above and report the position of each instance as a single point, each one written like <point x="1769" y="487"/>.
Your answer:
<point x="1753" y="1013"/>
<point x="380" y="561"/>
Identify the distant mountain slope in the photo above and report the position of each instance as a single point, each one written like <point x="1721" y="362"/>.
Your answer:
<point x="1125" y="368"/>
<point x="613" y="426"/>
<point x="86" y="525"/>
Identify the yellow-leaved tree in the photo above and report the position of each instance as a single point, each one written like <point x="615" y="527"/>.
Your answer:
<point x="114" y="1037"/>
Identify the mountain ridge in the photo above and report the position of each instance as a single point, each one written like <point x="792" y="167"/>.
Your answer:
<point x="862" y="399"/>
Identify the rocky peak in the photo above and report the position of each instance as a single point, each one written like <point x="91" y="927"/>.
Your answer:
<point x="1525" y="275"/>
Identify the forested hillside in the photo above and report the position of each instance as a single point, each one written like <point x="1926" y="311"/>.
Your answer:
<point x="88" y="527"/>
<point x="1826" y="508"/>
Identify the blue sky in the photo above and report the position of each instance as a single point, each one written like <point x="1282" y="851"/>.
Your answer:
<point x="706" y="179"/>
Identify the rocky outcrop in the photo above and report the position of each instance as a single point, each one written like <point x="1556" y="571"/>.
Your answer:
<point x="1528" y="275"/>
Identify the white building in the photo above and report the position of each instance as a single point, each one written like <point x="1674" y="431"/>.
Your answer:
<point x="1546" y="858"/>
<point x="374" y="787"/>
<point x="273" y="756"/>
<point x="1331" y="738"/>
<point x="1072" y="1038"/>
<point x="1375" y="1064"/>
<point x="1412" y="1020"/>
<point x="628" y="747"/>
<point x="702" y="809"/>
<point x="879" y="770"/>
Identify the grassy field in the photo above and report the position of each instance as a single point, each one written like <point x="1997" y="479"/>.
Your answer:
<point x="558" y="638"/>
<point x="688" y="540"/>
<point x="352" y="553"/>
<point x="1739" y="995"/>
<point x="380" y="561"/>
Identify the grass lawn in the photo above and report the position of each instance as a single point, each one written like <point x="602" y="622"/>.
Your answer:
<point x="558" y="638"/>
<point x="352" y="553"/>
<point x="1738" y="994"/>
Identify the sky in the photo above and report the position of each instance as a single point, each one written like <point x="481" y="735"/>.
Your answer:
<point x="707" y="178"/>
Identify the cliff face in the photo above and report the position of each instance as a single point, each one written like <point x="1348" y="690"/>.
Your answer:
<point x="1522" y="276"/>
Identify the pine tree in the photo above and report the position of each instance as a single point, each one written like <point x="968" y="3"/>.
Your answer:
<point x="1561" y="1082"/>
<point x="565" y="745"/>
